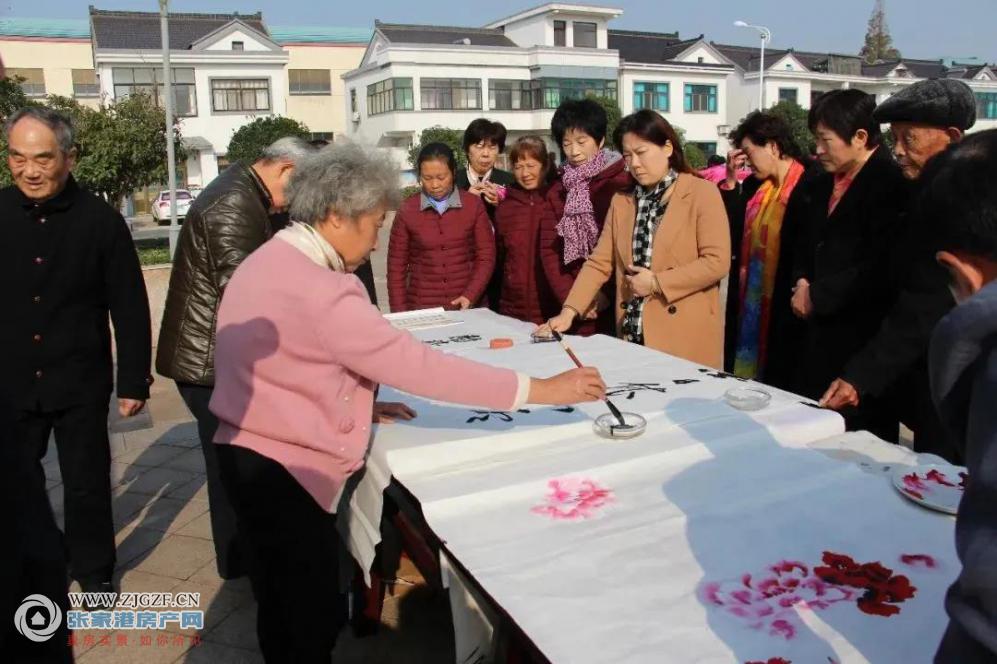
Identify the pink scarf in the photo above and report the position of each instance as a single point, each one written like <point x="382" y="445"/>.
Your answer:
<point x="578" y="227"/>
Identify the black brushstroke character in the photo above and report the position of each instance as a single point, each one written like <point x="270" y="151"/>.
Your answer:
<point x="632" y="388"/>
<point x="722" y="374"/>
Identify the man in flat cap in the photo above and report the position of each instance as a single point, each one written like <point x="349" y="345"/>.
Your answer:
<point x="925" y="119"/>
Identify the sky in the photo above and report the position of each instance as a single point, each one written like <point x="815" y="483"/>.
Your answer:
<point x="929" y="29"/>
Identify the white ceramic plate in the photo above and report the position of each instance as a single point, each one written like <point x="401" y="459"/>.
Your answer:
<point x="935" y="486"/>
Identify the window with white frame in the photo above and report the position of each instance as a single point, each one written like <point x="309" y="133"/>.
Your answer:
<point x="32" y="80"/>
<point x="789" y="94"/>
<point x="85" y="83"/>
<point x="240" y="94"/>
<point x="653" y="95"/>
<point x="509" y="95"/>
<point x="700" y="98"/>
<point x="450" y="93"/>
<point x="392" y="94"/>
<point x="560" y="33"/>
<point x="309" y="81"/>
<point x="584" y="34"/>
<point x="149" y="81"/>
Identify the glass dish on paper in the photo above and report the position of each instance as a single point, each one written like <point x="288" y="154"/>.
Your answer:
<point x="541" y="338"/>
<point x="608" y="426"/>
<point x="747" y="398"/>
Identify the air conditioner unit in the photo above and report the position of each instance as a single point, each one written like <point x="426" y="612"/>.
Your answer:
<point x="356" y="116"/>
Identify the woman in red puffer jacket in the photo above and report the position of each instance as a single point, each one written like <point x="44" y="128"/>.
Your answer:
<point x="442" y="248"/>
<point x="526" y="293"/>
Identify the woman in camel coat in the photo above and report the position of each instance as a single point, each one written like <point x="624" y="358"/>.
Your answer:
<point x="666" y="244"/>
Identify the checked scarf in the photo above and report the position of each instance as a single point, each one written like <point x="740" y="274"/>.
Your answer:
<point x="650" y="210"/>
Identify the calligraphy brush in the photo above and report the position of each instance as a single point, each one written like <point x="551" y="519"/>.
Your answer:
<point x="574" y="358"/>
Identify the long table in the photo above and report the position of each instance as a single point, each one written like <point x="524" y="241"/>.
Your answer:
<point x="717" y="536"/>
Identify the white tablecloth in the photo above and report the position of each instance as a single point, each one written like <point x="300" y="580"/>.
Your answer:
<point x="704" y="540"/>
<point x="441" y="443"/>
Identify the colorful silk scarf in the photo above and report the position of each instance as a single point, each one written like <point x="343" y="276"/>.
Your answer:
<point x="759" y="262"/>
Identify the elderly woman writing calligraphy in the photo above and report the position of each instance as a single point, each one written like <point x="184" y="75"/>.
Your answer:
<point x="300" y="352"/>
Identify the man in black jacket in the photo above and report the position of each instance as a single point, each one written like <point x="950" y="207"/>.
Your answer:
<point x="231" y="219"/>
<point x="68" y="262"/>
<point x="963" y="360"/>
<point x="925" y="119"/>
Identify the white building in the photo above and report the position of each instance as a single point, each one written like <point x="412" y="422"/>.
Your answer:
<point x="686" y="80"/>
<point x="802" y="76"/>
<point x="226" y="72"/>
<point x="518" y="69"/>
<point x="515" y="71"/>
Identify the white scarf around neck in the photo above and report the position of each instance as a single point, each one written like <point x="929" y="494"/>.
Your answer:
<point x="308" y="241"/>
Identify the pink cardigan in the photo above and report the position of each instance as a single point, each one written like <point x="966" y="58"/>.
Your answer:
<point x="300" y="350"/>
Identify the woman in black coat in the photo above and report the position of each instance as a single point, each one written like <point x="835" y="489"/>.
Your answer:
<point x="841" y="275"/>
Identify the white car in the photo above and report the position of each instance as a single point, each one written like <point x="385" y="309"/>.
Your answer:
<point x="161" y="206"/>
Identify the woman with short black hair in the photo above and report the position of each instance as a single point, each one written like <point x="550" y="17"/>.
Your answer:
<point x="590" y="176"/>
<point x="764" y="212"/>
<point x="483" y="142"/>
<point x="843" y="289"/>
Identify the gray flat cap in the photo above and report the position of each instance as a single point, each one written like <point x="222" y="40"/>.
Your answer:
<point x="941" y="102"/>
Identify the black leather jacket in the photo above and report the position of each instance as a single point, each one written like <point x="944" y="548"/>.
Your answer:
<point x="227" y="222"/>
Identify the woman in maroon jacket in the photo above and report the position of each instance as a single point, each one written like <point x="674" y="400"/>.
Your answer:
<point x="442" y="247"/>
<point x="525" y="291"/>
<point x="580" y="200"/>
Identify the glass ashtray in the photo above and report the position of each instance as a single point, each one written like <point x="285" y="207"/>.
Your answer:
<point x="608" y="426"/>
<point x="541" y="339"/>
<point x="747" y="398"/>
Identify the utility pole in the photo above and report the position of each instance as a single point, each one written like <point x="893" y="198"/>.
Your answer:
<point x="171" y="166"/>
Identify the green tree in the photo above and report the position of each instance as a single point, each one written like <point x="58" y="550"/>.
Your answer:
<point x="121" y="146"/>
<point x="796" y="117"/>
<point x="453" y="138"/>
<point x="12" y="97"/>
<point x="694" y="154"/>
<point x="878" y="45"/>
<point x="613" y="115"/>
<point x="249" y="141"/>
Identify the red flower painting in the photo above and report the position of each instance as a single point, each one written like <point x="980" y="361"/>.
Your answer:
<point x="917" y="486"/>
<point x="767" y="601"/>
<point x="919" y="560"/>
<point x="882" y="589"/>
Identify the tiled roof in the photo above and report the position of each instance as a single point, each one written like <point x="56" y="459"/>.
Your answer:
<point x="77" y="28"/>
<point x="51" y="28"/>
<point x="140" y="30"/>
<point x="432" y="34"/>
<point x="740" y="55"/>
<point x="647" y="47"/>
<point x="917" y="68"/>
<point x="320" y="35"/>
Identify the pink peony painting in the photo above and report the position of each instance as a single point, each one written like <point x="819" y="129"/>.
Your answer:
<point x="571" y="498"/>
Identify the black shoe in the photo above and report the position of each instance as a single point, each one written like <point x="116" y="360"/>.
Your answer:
<point x="99" y="595"/>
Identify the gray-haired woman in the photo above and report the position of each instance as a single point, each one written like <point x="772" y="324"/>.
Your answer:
<point x="300" y="351"/>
